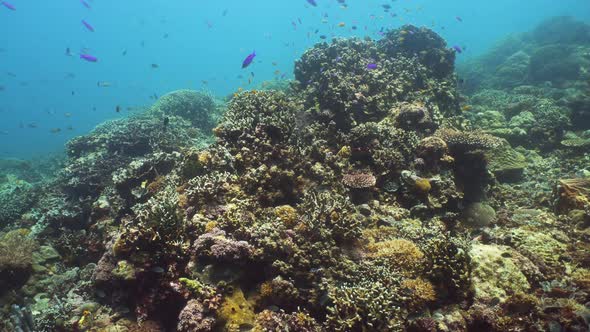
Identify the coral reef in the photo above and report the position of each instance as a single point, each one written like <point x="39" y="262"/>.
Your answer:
<point x="358" y="198"/>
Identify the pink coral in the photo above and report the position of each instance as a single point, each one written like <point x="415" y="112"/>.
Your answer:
<point x="359" y="180"/>
<point x="215" y="244"/>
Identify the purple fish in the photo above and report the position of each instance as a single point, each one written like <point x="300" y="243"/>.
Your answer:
<point x="88" y="57"/>
<point x="372" y="66"/>
<point x="8" y="5"/>
<point x="313" y="3"/>
<point x="85" y="4"/>
<point x="457" y="49"/>
<point x="248" y="60"/>
<point x="88" y="26"/>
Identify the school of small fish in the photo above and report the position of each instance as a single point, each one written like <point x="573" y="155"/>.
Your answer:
<point x="317" y="7"/>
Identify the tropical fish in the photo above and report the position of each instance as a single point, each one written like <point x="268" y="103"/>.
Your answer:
<point x="155" y="66"/>
<point x="85" y="4"/>
<point x="457" y="49"/>
<point x="88" y="26"/>
<point x="312" y="2"/>
<point x="342" y="24"/>
<point x="103" y="84"/>
<point x="248" y="60"/>
<point x="8" y="5"/>
<point x="458" y="18"/>
<point x="372" y="66"/>
<point x="88" y="57"/>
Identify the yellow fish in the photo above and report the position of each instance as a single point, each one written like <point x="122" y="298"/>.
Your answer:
<point x="342" y="24"/>
<point x="144" y="184"/>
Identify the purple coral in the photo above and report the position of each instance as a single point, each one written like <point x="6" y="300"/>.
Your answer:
<point x="215" y="244"/>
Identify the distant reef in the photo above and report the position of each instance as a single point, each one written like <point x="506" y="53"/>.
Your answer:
<point x="379" y="191"/>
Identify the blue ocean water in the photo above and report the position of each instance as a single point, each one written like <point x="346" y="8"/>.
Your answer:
<point x="48" y="96"/>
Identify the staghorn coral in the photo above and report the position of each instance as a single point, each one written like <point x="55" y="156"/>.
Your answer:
<point x="364" y="306"/>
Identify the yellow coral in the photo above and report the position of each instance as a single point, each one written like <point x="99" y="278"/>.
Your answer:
<point x="266" y="289"/>
<point x="421" y="292"/>
<point x="286" y="214"/>
<point x="345" y="152"/>
<point x="423" y="185"/>
<point x="400" y="253"/>
<point x="581" y="277"/>
<point x="204" y="158"/>
<point x="236" y="311"/>
<point x="183" y="201"/>
<point x="210" y="225"/>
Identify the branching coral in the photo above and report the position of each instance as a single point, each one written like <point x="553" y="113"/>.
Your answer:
<point x="398" y="253"/>
<point x="368" y="306"/>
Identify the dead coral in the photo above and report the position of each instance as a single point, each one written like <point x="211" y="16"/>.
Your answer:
<point x="572" y="194"/>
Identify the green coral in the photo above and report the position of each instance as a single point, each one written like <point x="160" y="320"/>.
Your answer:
<point x="495" y="274"/>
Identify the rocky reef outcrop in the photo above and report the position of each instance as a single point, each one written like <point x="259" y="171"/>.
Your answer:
<point x="359" y="199"/>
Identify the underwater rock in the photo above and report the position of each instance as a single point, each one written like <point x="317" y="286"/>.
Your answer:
<point x="478" y="215"/>
<point x="572" y="194"/>
<point x="495" y="274"/>
<point x="16" y="259"/>
<point x="194" y="318"/>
